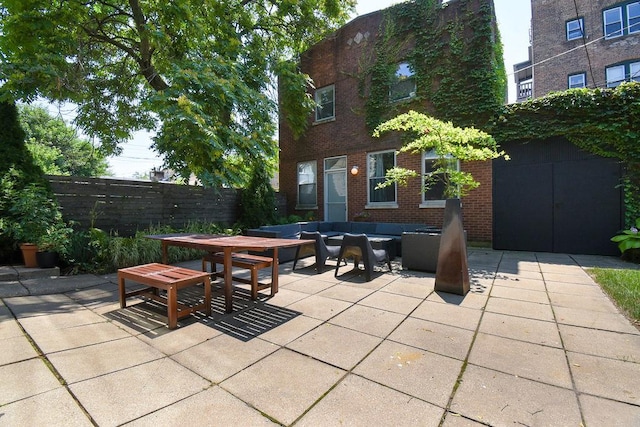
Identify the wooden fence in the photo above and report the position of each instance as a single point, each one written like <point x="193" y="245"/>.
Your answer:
<point x="126" y="206"/>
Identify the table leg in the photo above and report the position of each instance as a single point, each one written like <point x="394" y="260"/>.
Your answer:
<point x="207" y="295"/>
<point x="121" y="290"/>
<point x="228" y="285"/>
<point x="172" y="306"/>
<point x="274" y="272"/>
<point x="165" y="252"/>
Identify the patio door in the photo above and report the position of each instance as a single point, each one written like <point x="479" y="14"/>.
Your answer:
<point x="335" y="189"/>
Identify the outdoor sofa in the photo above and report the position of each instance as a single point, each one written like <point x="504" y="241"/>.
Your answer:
<point x="333" y="229"/>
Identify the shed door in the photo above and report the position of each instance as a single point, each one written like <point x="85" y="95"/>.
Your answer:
<point x="553" y="197"/>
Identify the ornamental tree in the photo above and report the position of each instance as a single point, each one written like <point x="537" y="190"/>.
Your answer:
<point x="198" y="73"/>
<point x="449" y="143"/>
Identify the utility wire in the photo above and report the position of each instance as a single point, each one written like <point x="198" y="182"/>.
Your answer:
<point x="593" y="77"/>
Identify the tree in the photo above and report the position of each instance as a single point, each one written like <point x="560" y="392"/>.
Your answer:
<point x="258" y="200"/>
<point x="196" y="71"/>
<point x="17" y="171"/>
<point x="56" y="147"/>
<point x="424" y="134"/>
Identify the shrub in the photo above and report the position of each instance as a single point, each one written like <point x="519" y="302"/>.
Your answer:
<point x="629" y="242"/>
<point x="258" y="201"/>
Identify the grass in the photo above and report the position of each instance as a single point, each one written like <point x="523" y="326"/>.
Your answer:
<point x="623" y="286"/>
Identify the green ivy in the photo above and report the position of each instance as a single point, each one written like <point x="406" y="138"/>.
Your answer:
<point x="449" y="60"/>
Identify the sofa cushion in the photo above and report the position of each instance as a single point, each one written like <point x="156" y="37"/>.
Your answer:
<point x="324" y="226"/>
<point x="343" y="227"/>
<point x="363" y="227"/>
<point x="290" y="231"/>
<point x="309" y="226"/>
<point x="413" y="227"/>
<point x="389" y="228"/>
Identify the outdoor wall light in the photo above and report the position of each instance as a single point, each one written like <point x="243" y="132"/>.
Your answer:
<point x="354" y="170"/>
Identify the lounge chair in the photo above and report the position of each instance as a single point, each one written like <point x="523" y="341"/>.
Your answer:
<point x="357" y="246"/>
<point x="321" y="250"/>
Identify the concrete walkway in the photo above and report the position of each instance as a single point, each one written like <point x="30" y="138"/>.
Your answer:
<point x="535" y="343"/>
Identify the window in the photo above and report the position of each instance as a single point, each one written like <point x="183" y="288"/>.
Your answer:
<point x="633" y="17"/>
<point x="575" y="29"/>
<point x="404" y="84"/>
<point x="577" y="80"/>
<point x="325" y="102"/>
<point x="621" y="20"/>
<point x="634" y="71"/>
<point x="433" y="191"/>
<point x="307" y="184"/>
<point x="617" y="74"/>
<point x="377" y="166"/>
<point x="612" y="19"/>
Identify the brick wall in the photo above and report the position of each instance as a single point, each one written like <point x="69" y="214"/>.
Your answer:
<point x="552" y="63"/>
<point x="339" y="60"/>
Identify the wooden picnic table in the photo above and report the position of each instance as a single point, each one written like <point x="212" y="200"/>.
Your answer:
<point x="228" y="245"/>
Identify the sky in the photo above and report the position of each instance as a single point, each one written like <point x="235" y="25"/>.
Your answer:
<point x="514" y="22"/>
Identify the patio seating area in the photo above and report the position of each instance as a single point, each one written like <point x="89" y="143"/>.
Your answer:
<point x="535" y="342"/>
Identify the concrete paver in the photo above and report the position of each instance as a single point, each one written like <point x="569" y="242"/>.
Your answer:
<point x="501" y="399"/>
<point x="536" y="342"/>
<point x="284" y="384"/>
<point x="357" y="401"/>
<point x="369" y="320"/>
<point x="437" y="338"/>
<point x="416" y="372"/>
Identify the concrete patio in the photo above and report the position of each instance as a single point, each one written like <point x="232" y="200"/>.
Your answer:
<point x="536" y="342"/>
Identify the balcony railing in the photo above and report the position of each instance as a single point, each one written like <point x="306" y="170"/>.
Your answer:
<point x="525" y="91"/>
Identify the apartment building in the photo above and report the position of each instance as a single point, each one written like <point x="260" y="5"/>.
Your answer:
<point x="580" y="43"/>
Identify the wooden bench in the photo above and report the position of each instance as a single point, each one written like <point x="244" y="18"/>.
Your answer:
<point x="246" y="261"/>
<point x="169" y="278"/>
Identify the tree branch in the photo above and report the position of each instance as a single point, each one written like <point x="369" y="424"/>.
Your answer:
<point x="146" y="50"/>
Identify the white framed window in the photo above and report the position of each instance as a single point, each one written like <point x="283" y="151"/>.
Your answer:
<point x="615" y="75"/>
<point x="619" y="73"/>
<point x="377" y="166"/>
<point x="633" y="17"/>
<point x="404" y="83"/>
<point x="433" y="196"/>
<point x="577" y="80"/>
<point x="575" y="29"/>
<point x="612" y="19"/>
<point x="634" y="71"/>
<point x="307" y="185"/>
<point x="325" y="103"/>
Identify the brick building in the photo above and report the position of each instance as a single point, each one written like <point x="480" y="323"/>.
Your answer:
<point x="580" y="43"/>
<point x="331" y="170"/>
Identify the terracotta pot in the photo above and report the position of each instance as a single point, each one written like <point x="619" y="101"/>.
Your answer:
<point x="29" y="254"/>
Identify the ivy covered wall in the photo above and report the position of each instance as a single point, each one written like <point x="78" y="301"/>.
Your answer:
<point x="453" y="48"/>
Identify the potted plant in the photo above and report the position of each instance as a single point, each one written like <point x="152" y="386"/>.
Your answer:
<point x="53" y="243"/>
<point x="34" y="215"/>
<point x="629" y="243"/>
<point x="449" y="144"/>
